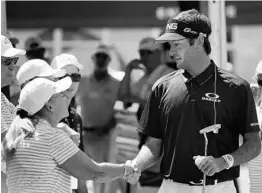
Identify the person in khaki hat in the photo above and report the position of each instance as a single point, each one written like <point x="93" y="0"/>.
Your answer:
<point x="96" y="96"/>
<point x="34" y="49"/>
<point x="40" y="157"/>
<point x="9" y="57"/>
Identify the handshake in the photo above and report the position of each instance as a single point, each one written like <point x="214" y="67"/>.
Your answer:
<point x="132" y="172"/>
<point x="109" y="172"/>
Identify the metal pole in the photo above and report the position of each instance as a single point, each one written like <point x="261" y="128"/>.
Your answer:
<point x="3" y="19"/>
<point x="57" y="41"/>
<point x="216" y="12"/>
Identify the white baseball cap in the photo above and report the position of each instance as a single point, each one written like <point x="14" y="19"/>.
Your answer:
<point x="37" y="92"/>
<point x="37" y="68"/>
<point x="7" y="49"/>
<point x="63" y="60"/>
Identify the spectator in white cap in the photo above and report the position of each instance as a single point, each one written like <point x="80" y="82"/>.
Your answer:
<point x="39" y="68"/>
<point x="72" y="67"/>
<point x="9" y="57"/>
<point x="8" y="89"/>
<point x="97" y="95"/>
<point x="70" y="64"/>
<point x="40" y="158"/>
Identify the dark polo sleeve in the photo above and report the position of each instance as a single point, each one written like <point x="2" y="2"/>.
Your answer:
<point x="149" y="123"/>
<point x="248" y="120"/>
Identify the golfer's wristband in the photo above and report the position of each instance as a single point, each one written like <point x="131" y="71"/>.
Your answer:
<point x="229" y="159"/>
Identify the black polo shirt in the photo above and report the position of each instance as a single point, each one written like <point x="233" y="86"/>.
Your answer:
<point x="180" y="106"/>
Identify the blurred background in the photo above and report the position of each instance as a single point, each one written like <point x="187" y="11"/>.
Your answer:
<point x="77" y="26"/>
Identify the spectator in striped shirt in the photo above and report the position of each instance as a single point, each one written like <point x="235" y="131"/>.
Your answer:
<point x="9" y="57"/>
<point x="41" y="158"/>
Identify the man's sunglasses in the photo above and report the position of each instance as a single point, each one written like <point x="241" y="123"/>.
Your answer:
<point x="144" y="52"/>
<point x="8" y="61"/>
<point x="75" y="77"/>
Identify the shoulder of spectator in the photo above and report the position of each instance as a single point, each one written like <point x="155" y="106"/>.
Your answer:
<point x="82" y="84"/>
<point x="115" y="82"/>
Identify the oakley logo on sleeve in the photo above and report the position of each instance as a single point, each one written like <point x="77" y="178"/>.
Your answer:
<point x="211" y="97"/>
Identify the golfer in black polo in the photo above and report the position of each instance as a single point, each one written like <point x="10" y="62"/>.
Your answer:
<point x="187" y="101"/>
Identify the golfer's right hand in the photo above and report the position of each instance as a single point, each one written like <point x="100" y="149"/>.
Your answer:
<point x="198" y="159"/>
<point x="210" y="165"/>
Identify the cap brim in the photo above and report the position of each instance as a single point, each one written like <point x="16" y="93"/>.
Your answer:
<point x="53" y="72"/>
<point x="59" y="73"/>
<point x="168" y="37"/>
<point x="11" y="52"/>
<point x="79" y="66"/>
<point x="63" y="84"/>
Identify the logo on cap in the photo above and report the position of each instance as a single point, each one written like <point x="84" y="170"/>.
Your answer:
<point x="171" y="26"/>
<point x="189" y="30"/>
